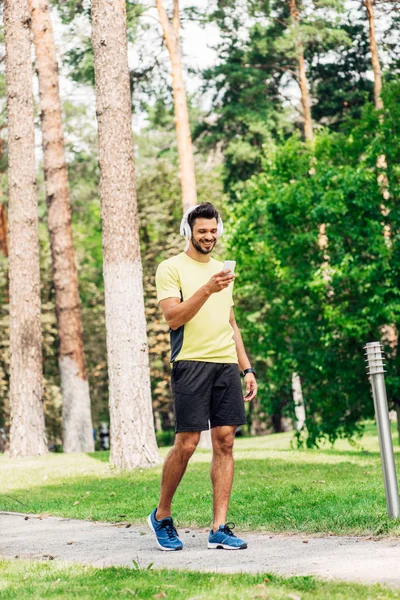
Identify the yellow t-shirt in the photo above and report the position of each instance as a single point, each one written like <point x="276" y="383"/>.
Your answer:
<point x="208" y="336"/>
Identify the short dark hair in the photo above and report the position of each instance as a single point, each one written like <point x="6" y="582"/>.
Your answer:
<point x="206" y="210"/>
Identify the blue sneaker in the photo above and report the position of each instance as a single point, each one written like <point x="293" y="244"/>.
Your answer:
<point x="166" y="534"/>
<point x="225" y="539"/>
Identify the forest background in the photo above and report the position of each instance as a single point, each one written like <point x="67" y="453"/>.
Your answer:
<point x="313" y="222"/>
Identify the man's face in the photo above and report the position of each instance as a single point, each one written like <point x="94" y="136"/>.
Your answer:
<point x="204" y="235"/>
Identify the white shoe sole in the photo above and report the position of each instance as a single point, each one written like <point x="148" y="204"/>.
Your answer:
<point x="213" y="546"/>
<point x="158" y="543"/>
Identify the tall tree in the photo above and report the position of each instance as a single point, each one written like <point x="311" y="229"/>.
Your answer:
<point x="27" y="433"/>
<point x="301" y="69"/>
<point x="133" y="442"/>
<point x="77" y="421"/>
<point x="171" y="31"/>
<point x="376" y="67"/>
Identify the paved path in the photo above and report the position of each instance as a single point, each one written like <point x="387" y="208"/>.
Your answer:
<point x="101" y="544"/>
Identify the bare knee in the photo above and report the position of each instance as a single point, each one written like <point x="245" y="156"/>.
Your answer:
<point x="186" y="443"/>
<point x="223" y="442"/>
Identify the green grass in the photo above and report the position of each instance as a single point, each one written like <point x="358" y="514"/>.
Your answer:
<point x="26" y="580"/>
<point x="276" y="488"/>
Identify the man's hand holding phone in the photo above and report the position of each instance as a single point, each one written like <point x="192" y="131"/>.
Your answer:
<point x="223" y="279"/>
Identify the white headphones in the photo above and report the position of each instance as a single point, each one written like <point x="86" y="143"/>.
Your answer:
<point x="186" y="231"/>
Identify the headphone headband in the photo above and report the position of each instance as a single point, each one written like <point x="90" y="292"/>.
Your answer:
<point x="185" y="229"/>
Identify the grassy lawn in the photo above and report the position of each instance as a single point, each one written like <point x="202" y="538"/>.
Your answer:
<point x="276" y="488"/>
<point x="39" y="581"/>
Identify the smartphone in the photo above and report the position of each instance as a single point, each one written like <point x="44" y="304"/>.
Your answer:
<point x="229" y="265"/>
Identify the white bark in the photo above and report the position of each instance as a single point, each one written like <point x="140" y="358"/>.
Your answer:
<point x="299" y="408"/>
<point x="205" y="442"/>
<point x="77" y="420"/>
<point x="133" y="442"/>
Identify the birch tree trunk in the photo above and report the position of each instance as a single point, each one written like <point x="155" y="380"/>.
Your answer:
<point x="133" y="442"/>
<point x="77" y="420"/>
<point x="374" y="54"/>
<point x="302" y="77"/>
<point x="299" y="408"/>
<point x="171" y="31"/>
<point x="27" y="430"/>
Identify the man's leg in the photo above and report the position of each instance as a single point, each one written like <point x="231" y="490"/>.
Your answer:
<point x="222" y="471"/>
<point x="174" y="469"/>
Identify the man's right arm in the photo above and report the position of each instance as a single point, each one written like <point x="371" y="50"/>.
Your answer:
<point x="178" y="313"/>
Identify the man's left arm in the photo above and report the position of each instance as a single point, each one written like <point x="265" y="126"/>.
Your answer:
<point x="244" y="363"/>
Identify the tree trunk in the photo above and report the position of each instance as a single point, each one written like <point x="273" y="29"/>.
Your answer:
<point x="133" y="442"/>
<point x="185" y="148"/>
<point x="205" y="442"/>
<point x="299" y="408"/>
<point x="3" y="231"/>
<point x="27" y="430"/>
<point x="374" y="55"/>
<point x="77" y="420"/>
<point x="302" y="77"/>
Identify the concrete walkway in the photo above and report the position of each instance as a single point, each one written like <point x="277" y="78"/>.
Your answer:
<point x="362" y="560"/>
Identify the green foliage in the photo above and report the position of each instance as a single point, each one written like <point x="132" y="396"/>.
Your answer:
<point x="309" y="308"/>
<point x="246" y="109"/>
<point x="258" y="64"/>
<point x="338" y="77"/>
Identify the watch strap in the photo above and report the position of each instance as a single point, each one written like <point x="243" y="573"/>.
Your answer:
<point x="250" y="370"/>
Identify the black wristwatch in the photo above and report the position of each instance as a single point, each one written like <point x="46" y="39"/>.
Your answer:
<point x="250" y="370"/>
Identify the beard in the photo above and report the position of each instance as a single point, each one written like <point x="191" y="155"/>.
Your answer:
<point x="197" y="246"/>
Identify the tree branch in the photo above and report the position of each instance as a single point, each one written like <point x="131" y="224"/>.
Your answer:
<point x="166" y="26"/>
<point x="175" y="19"/>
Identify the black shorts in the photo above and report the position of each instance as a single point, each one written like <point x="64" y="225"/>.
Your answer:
<point x="205" y="391"/>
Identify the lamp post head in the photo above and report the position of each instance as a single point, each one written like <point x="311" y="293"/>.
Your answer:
<point x="374" y="358"/>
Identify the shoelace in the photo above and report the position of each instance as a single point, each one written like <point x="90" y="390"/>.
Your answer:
<point x="170" y="529"/>
<point x="228" y="529"/>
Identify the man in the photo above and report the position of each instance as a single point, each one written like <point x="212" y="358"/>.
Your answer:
<point x="195" y="295"/>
